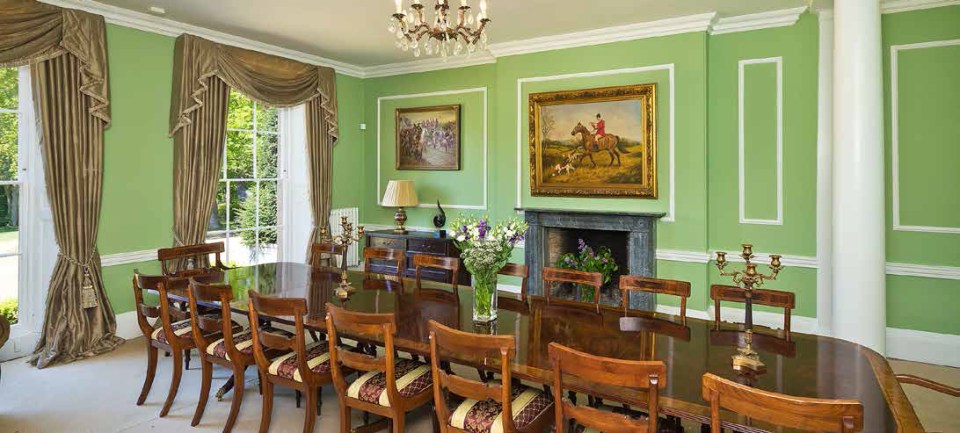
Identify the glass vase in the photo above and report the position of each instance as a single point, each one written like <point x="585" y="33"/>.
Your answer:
<point x="484" y="296"/>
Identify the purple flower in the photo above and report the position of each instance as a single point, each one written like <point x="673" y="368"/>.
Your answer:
<point x="581" y="245"/>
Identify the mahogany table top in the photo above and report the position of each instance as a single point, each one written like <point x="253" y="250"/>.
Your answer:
<point x="806" y="365"/>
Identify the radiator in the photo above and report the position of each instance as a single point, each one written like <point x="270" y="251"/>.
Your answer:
<point x="353" y="216"/>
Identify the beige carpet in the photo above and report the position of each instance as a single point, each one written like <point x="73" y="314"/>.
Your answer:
<point x="98" y="395"/>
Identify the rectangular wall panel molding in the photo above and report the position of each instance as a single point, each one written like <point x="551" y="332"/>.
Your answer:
<point x="760" y="140"/>
<point x="922" y="115"/>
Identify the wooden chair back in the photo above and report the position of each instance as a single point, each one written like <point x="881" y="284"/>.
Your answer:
<point x="394" y="256"/>
<point x="145" y="312"/>
<point x="520" y="271"/>
<point x="265" y="341"/>
<point x="209" y="294"/>
<point x="809" y="414"/>
<point x="639" y="376"/>
<point x="376" y="326"/>
<point x="450" y="264"/>
<point x="632" y="283"/>
<point x="767" y="297"/>
<point x="552" y="276"/>
<point x="191" y="260"/>
<point x="321" y="254"/>
<point x="500" y="348"/>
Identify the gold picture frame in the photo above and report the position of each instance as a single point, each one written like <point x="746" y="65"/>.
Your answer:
<point x="574" y="164"/>
<point x="428" y="138"/>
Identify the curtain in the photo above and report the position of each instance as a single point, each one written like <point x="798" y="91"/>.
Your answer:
<point x="67" y="53"/>
<point x="198" y="65"/>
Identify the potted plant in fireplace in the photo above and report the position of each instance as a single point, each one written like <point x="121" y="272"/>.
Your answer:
<point x="589" y="260"/>
<point x="485" y="248"/>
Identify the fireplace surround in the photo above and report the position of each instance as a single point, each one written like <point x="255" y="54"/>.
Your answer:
<point x="632" y="237"/>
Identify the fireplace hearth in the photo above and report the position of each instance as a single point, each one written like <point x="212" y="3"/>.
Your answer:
<point x="631" y="238"/>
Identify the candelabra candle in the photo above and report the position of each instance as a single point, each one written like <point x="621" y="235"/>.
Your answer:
<point x="344" y="239"/>
<point x="749" y="279"/>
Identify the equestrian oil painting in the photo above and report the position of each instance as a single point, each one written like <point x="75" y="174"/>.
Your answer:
<point x="595" y="142"/>
<point x="428" y="138"/>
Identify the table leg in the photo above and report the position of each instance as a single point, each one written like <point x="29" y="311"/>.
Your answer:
<point x="225" y="388"/>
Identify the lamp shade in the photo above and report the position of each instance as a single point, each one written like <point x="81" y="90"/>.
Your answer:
<point x="400" y="193"/>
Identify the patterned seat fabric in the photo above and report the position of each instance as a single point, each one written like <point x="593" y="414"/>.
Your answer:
<point x="180" y="329"/>
<point x="318" y="360"/>
<point x="485" y="416"/>
<point x="243" y="341"/>
<point x="412" y="378"/>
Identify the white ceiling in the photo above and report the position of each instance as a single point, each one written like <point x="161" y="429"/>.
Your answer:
<point x="354" y="31"/>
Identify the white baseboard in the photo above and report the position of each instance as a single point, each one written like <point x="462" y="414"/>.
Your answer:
<point x="922" y="346"/>
<point x="127" y="326"/>
<point x="18" y="346"/>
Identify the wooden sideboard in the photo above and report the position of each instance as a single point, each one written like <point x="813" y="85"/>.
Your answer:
<point x="415" y="242"/>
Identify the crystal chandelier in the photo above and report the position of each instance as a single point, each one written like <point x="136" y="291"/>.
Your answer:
<point x="440" y="36"/>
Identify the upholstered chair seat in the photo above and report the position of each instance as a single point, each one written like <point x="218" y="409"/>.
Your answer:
<point x="243" y="341"/>
<point x="412" y="377"/>
<point x="182" y="329"/>
<point x="479" y="416"/>
<point x="318" y="360"/>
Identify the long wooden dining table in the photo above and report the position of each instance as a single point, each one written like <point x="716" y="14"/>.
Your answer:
<point x="803" y="365"/>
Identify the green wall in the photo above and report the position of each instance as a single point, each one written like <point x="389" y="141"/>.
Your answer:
<point x="929" y="150"/>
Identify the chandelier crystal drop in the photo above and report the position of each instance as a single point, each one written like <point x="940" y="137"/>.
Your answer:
<point x="439" y="36"/>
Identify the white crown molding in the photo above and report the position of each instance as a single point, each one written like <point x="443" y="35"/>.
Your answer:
<point x="427" y="65"/>
<point x="165" y="26"/>
<point x="762" y="20"/>
<point x="670" y="26"/>
<point x="925" y="271"/>
<point x="128" y="257"/>
<point x="912" y="5"/>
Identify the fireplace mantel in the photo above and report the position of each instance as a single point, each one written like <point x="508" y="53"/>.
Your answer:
<point x="639" y="227"/>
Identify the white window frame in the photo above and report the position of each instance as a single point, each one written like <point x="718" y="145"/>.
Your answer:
<point x="38" y="248"/>
<point x="229" y="232"/>
<point x="294" y="196"/>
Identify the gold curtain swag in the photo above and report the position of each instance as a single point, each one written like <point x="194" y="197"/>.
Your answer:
<point x="196" y="125"/>
<point x="66" y="50"/>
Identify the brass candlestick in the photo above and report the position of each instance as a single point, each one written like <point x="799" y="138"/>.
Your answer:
<point x="749" y="279"/>
<point x="344" y="239"/>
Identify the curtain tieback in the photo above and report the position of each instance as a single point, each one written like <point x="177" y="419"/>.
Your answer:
<point x="88" y="296"/>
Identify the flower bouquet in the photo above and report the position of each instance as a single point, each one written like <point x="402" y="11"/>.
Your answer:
<point x="485" y="249"/>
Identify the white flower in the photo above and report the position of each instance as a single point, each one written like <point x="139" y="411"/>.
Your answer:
<point x="461" y="238"/>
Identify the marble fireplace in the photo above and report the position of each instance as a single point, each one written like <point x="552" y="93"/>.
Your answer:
<point x="631" y="238"/>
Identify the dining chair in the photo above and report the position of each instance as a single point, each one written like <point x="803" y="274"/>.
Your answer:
<point x="478" y="405"/>
<point x="322" y="254"/>
<point x="395" y="257"/>
<point x="233" y="350"/>
<point x="767" y="297"/>
<point x="302" y="367"/>
<point x="633" y="283"/>
<point x="173" y="336"/>
<point x="190" y="260"/>
<point x="520" y="271"/>
<point x="387" y="385"/>
<point x="808" y="414"/>
<point x="447" y="264"/>
<point x="552" y="276"/>
<point x="639" y="377"/>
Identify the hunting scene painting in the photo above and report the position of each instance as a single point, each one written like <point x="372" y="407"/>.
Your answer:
<point x="428" y="138"/>
<point x="595" y="142"/>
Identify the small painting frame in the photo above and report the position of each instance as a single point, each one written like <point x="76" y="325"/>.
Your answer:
<point x="441" y="151"/>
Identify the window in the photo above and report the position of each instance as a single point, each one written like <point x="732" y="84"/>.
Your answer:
<point x="245" y="212"/>
<point x="9" y="192"/>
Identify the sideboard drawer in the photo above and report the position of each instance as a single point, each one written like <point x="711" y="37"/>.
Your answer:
<point x="426" y="246"/>
<point x="378" y="242"/>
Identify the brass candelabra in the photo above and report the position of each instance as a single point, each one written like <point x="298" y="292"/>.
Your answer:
<point x="344" y="239"/>
<point x="749" y="279"/>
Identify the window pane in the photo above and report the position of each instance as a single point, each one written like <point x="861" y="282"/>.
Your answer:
<point x="239" y="155"/>
<point x="8" y="146"/>
<point x="9" y="283"/>
<point x="243" y="205"/>
<point x="240" y="254"/>
<point x="9" y="219"/>
<point x="267" y="156"/>
<point x="268" y="205"/>
<point x="8" y="88"/>
<point x="240" y="114"/>
<point x="266" y="118"/>
<point x="218" y="217"/>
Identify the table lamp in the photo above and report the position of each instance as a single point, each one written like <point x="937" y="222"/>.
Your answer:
<point x="400" y="194"/>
